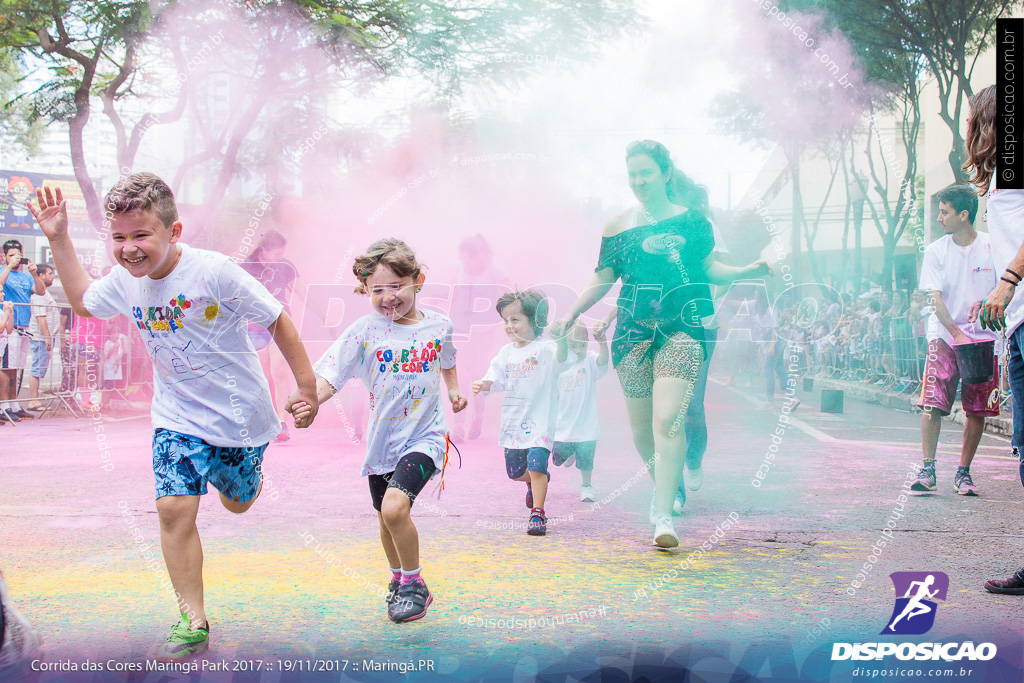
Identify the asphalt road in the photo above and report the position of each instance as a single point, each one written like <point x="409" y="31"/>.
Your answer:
<point x="783" y="568"/>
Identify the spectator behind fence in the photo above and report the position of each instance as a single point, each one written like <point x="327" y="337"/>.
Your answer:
<point x="19" y="279"/>
<point x="957" y="272"/>
<point x="44" y="325"/>
<point x="115" y="353"/>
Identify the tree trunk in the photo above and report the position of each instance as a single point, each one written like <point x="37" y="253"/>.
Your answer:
<point x="798" y="214"/>
<point x="957" y="158"/>
<point x="888" y="253"/>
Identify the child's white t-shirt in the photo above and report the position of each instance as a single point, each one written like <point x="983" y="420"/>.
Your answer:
<point x="578" y="419"/>
<point x="401" y="366"/>
<point x="529" y="378"/>
<point x="207" y="380"/>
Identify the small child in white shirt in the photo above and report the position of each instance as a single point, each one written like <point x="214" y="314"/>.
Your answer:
<point x="401" y="354"/>
<point x="527" y="371"/>
<point x="579" y="427"/>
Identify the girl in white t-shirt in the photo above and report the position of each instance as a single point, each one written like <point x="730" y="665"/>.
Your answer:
<point x="401" y="354"/>
<point x="527" y="371"/>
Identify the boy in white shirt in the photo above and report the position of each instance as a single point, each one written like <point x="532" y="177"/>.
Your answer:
<point x="527" y="371"/>
<point x="957" y="272"/>
<point x="579" y="426"/>
<point x="211" y="412"/>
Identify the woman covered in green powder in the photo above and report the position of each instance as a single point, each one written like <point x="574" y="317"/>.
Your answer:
<point x="661" y="250"/>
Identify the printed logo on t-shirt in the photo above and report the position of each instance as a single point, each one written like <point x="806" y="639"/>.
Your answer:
<point x="569" y="381"/>
<point x="521" y="370"/>
<point x="160" y="321"/>
<point x="163" y="319"/>
<point x="410" y="360"/>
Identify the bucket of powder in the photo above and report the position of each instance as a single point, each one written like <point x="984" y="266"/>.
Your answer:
<point x="976" y="361"/>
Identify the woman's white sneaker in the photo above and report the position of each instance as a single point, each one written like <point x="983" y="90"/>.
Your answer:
<point x="694" y="478"/>
<point x="664" y="532"/>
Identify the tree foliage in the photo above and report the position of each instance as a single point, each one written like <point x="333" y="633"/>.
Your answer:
<point x="151" y="63"/>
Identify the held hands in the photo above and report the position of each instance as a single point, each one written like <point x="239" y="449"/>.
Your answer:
<point x="481" y="385"/>
<point x="303" y="406"/>
<point x="600" y="330"/>
<point x="559" y="327"/>
<point x="993" y="308"/>
<point x="459" y="402"/>
<point x="762" y="268"/>
<point x="52" y="214"/>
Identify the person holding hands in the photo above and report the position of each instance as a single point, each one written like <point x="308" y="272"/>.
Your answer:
<point x="212" y="413"/>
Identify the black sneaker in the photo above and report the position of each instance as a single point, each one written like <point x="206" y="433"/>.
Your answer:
<point x="538" y="525"/>
<point x="392" y="595"/>
<point x="23" y="415"/>
<point x="1011" y="586"/>
<point x="413" y="600"/>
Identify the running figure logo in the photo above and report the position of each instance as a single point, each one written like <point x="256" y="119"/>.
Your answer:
<point x="914" y="613"/>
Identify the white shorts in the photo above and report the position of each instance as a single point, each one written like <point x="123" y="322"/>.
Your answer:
<point x="17" y="350"/>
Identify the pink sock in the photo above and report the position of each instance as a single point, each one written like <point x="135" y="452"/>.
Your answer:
<point x="396" y="574"/>
<point x="408" y="577"/>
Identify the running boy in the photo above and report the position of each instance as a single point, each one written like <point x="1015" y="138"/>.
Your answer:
<point x="957" y="273"/>
<point x="401" y="354"/>
<point x="211" y="412"/>
<point x="579" y="426"/>
<point x="527" y="371"/>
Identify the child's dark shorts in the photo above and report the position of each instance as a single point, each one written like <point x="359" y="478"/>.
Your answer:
<point x="519" y="460"/>
<point x="411" y="474"/>
<point x="583" y="450"/>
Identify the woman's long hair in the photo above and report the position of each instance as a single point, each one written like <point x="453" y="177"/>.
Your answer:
<point x="680" y="188"/>
<point x="981" y="138"/>
<point x="271" y="240"/>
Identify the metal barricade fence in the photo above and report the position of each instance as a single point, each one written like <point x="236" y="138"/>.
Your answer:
<point x="87" y="357"/>
<point x="891" y="356"/>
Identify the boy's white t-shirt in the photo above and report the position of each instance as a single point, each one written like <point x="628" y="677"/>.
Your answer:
<point x="401" y="366"/>
<point x="207" y="380"/>
<point x="963" y="275"/>
<point x="1006" y="232"/>
<point x="529" y="378"/>
<point x="578" y="418"/>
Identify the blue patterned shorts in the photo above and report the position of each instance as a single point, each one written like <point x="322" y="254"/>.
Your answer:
<point x="183" y="465"/>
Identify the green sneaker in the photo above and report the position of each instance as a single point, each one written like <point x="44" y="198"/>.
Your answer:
<point x="183" y="642"/>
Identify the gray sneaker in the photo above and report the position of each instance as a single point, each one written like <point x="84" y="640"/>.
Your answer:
<point x="963" y="484"/>
<point x="925" y="479"/>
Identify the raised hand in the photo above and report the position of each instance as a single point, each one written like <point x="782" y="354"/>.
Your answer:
<point x="52" y="214"/>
